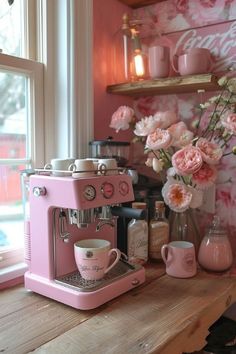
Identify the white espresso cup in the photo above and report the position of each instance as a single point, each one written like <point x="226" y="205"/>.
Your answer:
<point x="180" y="259"/>
<point x="93" y="256"/>
<point x="60" y="165"/>
<point x="95" y="162"/>
<point x="82" y="168"/>
<point x="107" y="166"/>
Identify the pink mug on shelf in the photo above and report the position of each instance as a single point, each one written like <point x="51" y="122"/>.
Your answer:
<point x="93" y="257"/>
<point x="194" y="61"/>
<point x="180" y="259"/>
<point x="159" y="61"/>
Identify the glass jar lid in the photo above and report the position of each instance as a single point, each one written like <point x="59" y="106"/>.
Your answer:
<point x="216" y="228"/>
<point x="109" y="142"/>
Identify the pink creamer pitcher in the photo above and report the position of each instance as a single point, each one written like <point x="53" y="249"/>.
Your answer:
<point x="194" y="61"/>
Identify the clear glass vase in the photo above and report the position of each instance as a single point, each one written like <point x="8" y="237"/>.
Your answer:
<point x="184" y="227"/>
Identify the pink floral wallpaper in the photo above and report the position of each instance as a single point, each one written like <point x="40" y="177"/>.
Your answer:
<point x="176" y="15"/>
<point x="184" y="24"/>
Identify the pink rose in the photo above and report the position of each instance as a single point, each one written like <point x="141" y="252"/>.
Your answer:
<point x="182" y="5"/>
<point x="187" y="161"/>
<point x="177" y="196"/>
<point x="205" y="11"/>
<point x="205" y="177"/>
<point x="211" y="152"/>
<point x="121" y="118"/>
<point x="145" y="126"/>
<point x="228" y="121"/>
<point x="181" y="136"/>
<point x="160" y="139"/>
<point x="165" y="119"/>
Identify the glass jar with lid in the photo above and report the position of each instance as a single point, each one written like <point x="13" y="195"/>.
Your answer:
<point x="215" y="252"/>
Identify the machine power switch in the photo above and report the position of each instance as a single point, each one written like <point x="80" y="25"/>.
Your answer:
<point x="135" y="282"/>
<point x="39" y="191"/>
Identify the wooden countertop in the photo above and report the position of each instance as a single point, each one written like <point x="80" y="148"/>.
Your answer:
<point x="165" y="315"/>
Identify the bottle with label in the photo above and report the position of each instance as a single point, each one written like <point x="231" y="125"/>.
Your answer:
<point x="137" y="249"/>
<point x="158" y="232"/>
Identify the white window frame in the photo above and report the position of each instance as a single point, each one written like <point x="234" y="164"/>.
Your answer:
<point x="34" y="72"/>
<point x="69" y="74"/>
<point x="67" y="132"/>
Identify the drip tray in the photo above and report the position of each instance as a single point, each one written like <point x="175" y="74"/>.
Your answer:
<point x="75" y="281"/>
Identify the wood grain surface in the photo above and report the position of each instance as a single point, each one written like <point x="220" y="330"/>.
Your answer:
<point x="165" y="315"/>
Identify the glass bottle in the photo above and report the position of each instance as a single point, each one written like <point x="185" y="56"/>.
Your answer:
<point x="184" y="226"/>
<point x="129" y="58"/>
<point x="215" y="252"/>
<point x="137" y="243"/>
<point x="158" y="232"/>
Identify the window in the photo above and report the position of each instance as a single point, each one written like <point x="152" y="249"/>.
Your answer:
<point x="43" y="113"/>
<point x="21" y="123"/>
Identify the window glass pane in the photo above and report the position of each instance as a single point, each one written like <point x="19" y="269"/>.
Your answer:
<point x="13" y="116"/>
<point x="11" y="209"/>
<point x="14" y="144"/>
<point x="11" y="24"/>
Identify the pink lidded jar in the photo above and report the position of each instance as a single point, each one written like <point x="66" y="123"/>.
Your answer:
<point x="215" y="252"/>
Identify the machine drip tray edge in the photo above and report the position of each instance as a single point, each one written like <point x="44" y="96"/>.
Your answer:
<point x="76" y="282"/>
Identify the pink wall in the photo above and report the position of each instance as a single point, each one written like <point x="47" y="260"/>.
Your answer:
<point x="107" y="21"/>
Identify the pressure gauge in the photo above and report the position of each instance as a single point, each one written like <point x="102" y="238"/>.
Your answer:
<point x="123" y="188"/>
<point x="89" y="192"/>
<point x="107" y="190"/>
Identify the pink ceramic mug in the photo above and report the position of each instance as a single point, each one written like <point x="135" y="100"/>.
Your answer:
<point x="194" y="61"/>
<point x="93" y="256"/>
<point x="180" y="259"/>
<point x="159" y="61"/>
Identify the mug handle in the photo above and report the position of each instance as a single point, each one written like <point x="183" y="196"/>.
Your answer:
<point x="211" y="62"/>
<point x="118" y="255"/>
<point x="164" y="250"/>
<point x="48" y="166"/>
<point x="102" y="168"/>
<point x="174" y="61"/>
<point x="72" y="167"/>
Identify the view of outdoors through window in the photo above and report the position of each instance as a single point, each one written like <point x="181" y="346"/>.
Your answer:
<point x="14" y="129"/>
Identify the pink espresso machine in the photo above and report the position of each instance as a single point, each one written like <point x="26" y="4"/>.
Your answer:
<point x="64" y="210"/>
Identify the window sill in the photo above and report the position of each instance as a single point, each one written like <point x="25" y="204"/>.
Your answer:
<point x="12" y="272"/>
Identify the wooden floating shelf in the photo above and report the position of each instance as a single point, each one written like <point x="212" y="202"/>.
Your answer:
<point x="166" y="86"/>
<point x="139" y="3"/>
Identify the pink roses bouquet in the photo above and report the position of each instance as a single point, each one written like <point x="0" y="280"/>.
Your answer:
<point x="189" y="158"/>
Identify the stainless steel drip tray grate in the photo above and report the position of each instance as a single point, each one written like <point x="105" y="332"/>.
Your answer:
<point x="75" y="281"/>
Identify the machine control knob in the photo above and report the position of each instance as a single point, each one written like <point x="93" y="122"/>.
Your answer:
<point x="39" y="191"/>
<point x="135" y="282"/>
